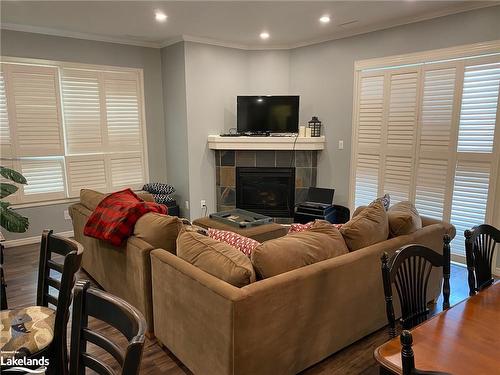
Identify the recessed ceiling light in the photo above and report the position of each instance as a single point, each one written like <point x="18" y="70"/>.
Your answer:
<point x="264" y="35"/>
<point x="160" y="16"/>
<point x="324" y="19"/>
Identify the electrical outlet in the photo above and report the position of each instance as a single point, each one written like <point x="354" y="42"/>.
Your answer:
<point x="66" y="215"/>
<point x="186" y="205"/>
<point x="203" y="203"/>
<point x="341" y="145"/>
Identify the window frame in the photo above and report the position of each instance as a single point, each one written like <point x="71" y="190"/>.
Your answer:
<point x="460" y="57"/>
<point x="15" y="160"/>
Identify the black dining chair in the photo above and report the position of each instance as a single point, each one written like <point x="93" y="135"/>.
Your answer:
<point x="480" y="244"/>
<point x="40" y="331"/>
<point x="409" y="270"/>
<point x="408" y="357"/>
<point x="91" y="302"/>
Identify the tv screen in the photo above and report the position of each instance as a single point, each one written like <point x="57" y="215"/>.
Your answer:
<point x="274" y="114"/>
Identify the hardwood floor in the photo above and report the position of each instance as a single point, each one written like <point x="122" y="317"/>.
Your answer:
<point x="21" y="267"/>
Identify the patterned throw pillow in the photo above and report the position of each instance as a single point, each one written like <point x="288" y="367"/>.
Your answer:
<point x="386" y="201"/>
<point x="296" y="227"/>
<point x="159" y="188"/>
<point x="244" y="244"/>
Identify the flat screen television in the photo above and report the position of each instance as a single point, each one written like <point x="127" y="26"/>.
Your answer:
<point x="273" y="114"/>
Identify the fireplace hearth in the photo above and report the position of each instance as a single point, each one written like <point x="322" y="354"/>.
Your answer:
<point x="267" y="191"/>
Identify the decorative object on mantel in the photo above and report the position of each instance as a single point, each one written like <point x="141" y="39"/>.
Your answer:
<point x="302" y="131"/>
<point x="315" y="126"/>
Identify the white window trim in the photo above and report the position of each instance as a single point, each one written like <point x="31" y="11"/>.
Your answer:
<point x="72" y="65"/>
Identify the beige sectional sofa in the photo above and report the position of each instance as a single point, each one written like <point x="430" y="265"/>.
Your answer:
<point x="124" y="271"/>
<point x="282" y="324"/>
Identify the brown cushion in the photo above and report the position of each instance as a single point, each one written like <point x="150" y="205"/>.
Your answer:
<point x="216" y="258"/>
<point x="403" y="219"/>
<point x="358" y="210"/>
<point x="322" y="241"/>
<point x="368" y="227"/>
<point x="91" y="198"/>
<point x="161" y="231"/>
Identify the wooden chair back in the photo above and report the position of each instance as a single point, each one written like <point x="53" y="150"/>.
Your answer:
<point x="408" y="358"/>
<point x="480" y="244"/>
<point x="115" y="312"/>
<point x="409" y="270"/>
<point x="60" y="277"/>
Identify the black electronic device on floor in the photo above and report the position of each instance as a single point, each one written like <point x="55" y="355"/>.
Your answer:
<point x="319" y="206"/>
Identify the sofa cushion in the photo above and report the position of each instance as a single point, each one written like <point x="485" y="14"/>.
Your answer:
<point x="385" y="200"/>
<point x="403" y="219"/>
<point x="244" y="244"/>
<point x="216" y="258"/>
<point x="91" y="198"/>
<point x="320" y="242"/>
<point x="160" y="231"/>
<point x="368" y="227"/>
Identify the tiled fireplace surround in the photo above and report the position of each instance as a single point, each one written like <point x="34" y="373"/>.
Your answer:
<point x="226" y="161"/>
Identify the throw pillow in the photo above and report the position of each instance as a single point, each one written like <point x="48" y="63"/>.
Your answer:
<point x="297" y="227"/>
<point x="161" y="231"/>
<point x="403" y="219"/>
<point x="368" y="227"/>
<point x="242" y="243"/>
<point x="385" y="200"/>
<point x="216" y="258"/>
<point x="299" y="249"/>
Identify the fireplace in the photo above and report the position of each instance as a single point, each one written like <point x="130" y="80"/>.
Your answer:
<point x="268" y="191"/>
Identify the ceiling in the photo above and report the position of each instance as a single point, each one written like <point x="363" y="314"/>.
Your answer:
<point x="231" y="23"/>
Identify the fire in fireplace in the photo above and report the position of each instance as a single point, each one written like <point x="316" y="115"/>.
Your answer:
<point x="267" y="191"/>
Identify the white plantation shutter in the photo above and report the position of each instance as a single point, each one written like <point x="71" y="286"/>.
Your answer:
<point x="437" y="109"/>
<point x="397" y="177"/>
<point x="429" y="135"/>
<point x="430" y="187"/>
<point x="367" y="169"/>
<point x="470" y="198"/>
<point x="371" y="108"/>
<point x="5" y="138"/>
<point x="123" y="111"/>
<point x="479" y="108"/>
<point x="45" y="178"/>
<point x="68" y="127"/>
<point x="35" y="109"/>
<point x="86" y="172"/>
<point x="126" y="171"/>
<point x="82" y="111"/>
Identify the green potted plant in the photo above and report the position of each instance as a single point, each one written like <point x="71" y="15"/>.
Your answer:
<point x="11" y="220"/>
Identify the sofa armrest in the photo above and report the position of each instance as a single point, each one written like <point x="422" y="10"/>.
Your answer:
<point x="449" y="228"/>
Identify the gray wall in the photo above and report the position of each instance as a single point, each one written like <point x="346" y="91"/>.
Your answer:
<point x="20" y="44"/>
<point x="323" y="76"/>
<point x="176" y="137"/>
<point x="214" y="77"/>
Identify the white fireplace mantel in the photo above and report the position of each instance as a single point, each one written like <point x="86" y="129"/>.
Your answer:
<point x="216" y="142"/>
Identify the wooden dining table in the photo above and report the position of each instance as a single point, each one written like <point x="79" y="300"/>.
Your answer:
<point x="465" y="339"/>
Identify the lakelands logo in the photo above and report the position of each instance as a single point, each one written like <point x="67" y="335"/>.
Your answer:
<point x="25" y="365"/>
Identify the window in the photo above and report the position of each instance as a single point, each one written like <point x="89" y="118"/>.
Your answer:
<point x="428" y="132"/>
<point x="68" y="127"/>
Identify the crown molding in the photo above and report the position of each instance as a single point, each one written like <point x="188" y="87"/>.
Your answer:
<point x="340" y="34"/>
<point x="77" y="35"/>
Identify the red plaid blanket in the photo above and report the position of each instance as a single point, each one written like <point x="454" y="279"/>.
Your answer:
<point x="115" y="216"/>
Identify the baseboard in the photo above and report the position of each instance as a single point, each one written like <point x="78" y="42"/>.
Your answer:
<point x="32" y="240"/>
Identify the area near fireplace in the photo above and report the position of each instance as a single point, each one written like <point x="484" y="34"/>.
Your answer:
<point x="303" y="163"/>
